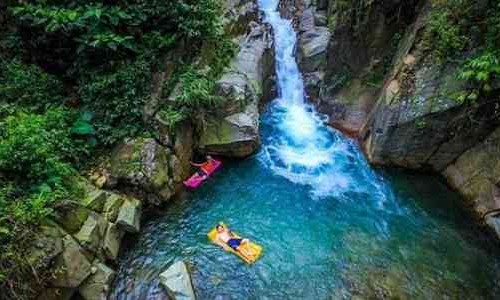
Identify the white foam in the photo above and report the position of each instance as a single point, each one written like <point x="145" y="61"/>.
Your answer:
<point x="303" y="149"/>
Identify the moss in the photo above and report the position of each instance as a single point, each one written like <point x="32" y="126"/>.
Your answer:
<point x="220" y="132"/>
<point x="128" y="158"/>
<point x="72" y="216"/>
<point x="160" y="175"/>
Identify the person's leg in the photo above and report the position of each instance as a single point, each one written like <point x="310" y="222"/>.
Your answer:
<point x="201" y="173"/>
<point x="245" y="251"/>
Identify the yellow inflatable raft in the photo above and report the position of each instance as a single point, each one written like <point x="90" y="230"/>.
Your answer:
<point x="250" y="247"/>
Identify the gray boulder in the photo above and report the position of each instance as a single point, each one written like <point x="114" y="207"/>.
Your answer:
<point x="96" y="286"/>
<point x="71" y="267"/>
<point x="141" y="165"/>
<point x="129" y="216"/>
<point x="177" y="281"/>
<point x="91" y="234"/>
<point x="476" y="174"/>
<point x="71" y="215"/>
<point x="236" y="135"/>
<point x="313" y="46"/>
<point x="112" y="207"/>
<point x="47" y="245"/>
<point x="94" y="198"/>
<point x="56" y="294"/>
<point x="112" y="241"/>
<point x="234" y="132"/>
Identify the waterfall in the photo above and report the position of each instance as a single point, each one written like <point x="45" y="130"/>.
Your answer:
<point x="303" y="148"/>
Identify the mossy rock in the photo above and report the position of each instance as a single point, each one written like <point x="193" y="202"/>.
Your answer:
<point x="71" y="215"/>
<point x="127" y="158"/>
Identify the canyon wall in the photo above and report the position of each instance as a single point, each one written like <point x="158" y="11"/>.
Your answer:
<point x="370" y="67"/>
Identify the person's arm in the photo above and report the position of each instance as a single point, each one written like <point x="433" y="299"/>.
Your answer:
<point x="196" y="165"/>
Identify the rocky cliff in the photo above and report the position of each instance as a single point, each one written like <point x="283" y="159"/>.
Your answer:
<point x="378" y="78"/>
<point x="234" y="130"/>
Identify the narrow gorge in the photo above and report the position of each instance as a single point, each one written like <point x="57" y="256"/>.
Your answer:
<point x="360" y="143"/>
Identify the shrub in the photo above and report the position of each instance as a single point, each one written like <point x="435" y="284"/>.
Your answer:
<point x="35" y="172"/>
<point x="117" y="98"/>
<point x="447" y="29"/>
<point x="37" y="148"/>
<point x="26" y="86"/>
<point x="479" y="72"/>
<point x="97" y="32"/>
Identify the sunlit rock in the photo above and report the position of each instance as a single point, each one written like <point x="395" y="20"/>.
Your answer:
<point x="177" y="282"/>
<point x="129" y="216"/>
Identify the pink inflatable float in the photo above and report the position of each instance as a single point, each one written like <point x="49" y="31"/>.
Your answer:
<point x="209" y="168"/>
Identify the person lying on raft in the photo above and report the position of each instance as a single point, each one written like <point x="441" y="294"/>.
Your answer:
<point x="203" y="167"/>
<point x="225" y="238"/>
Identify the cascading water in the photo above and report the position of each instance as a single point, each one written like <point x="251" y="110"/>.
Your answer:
<point x="302" y="147"/>
<point x="331" y="227"/>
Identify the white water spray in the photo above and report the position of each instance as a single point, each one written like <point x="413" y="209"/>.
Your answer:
<point x="303" y="148"/>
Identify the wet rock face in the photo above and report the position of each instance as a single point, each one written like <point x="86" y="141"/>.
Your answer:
<point x="416" y="123"/>
<point x="312" y="44"/>
<point x="235" y="132"/>
<point x="151" y="169"/>
<point x="476" y="174"/>
<point x="350" y="46"/>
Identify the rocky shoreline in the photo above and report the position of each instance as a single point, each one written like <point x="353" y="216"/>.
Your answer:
<point x="81" y="245"/>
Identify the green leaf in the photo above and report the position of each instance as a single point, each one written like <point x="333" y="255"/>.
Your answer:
<point x="82" y="127"/>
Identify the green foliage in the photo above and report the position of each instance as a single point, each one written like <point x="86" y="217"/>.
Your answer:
<point x="116" y="98"/>
<point x="446" y="32"/>
<point x="35" y="172"/>
<point x="37" y="147"/>
<point x="100" y="56"/>
<point x="97" y="32"/>
<point x="196" y="82"/>
<point x="196" y="90"/>
<point x="172" y="117"/>
<point x="28" y="87"/>
<point x="458" y="25"/>
<point x="479" y="72"/>
<point x="482" y="68"/>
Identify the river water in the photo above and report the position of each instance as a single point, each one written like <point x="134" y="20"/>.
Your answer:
<point x="331" y="226"/>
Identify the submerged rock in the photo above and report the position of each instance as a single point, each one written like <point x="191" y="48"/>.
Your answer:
<point x="177" y="281"/>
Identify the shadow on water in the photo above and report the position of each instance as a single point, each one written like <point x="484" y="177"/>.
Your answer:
<point x="330" y="225"/>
